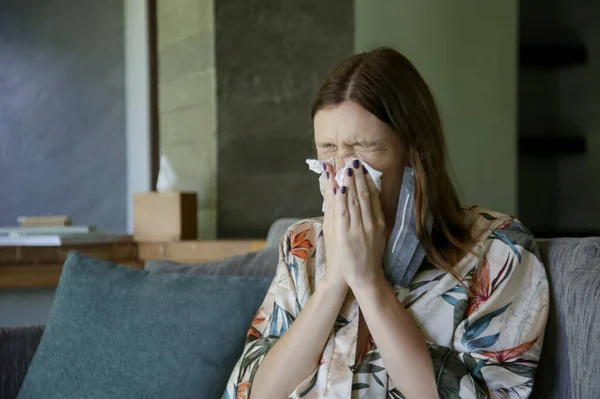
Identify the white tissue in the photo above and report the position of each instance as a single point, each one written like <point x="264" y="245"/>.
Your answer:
<point x="317" y="166"/>
<point x="166" y="176"/>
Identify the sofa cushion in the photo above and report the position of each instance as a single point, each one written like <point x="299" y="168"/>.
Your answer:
<point x="115" y="332"/>
<point x="261" y="264"/>
<point x="560" y="256"/>
<point x="582" y="311"/>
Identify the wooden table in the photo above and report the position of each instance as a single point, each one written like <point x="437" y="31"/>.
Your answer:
<point x="40" y="267"/>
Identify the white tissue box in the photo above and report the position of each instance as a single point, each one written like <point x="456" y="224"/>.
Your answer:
<point x="160" y="217"/>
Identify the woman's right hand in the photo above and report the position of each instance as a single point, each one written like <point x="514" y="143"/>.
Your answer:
<point x="333" y="271"/>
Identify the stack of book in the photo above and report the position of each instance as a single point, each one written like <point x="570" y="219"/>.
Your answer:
<point x="54" y="231"/>
<point x="44" y="221"/>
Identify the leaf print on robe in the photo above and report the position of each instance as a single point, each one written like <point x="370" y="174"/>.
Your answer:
<point x="487" y="216"/>
<point x="481" y="286"/>
<point x="518" y="369"/>
<point x="506" y="355"/>
<point x="449" y="371"/>
<point x="456" y="297"/>
<point x="520" y="236"/>
<point x="242" y="390"/>
<point x="340" y="322"/>
<point x="254" y="355"/>
<point x="367" y="367"/>
<point x="498" y="235"/>
<point x="474" y="366"/>
<point x="281" y="320"/>
<point x="299" y="244"/>
<point x="395" y="394"/>
<point x="471" y="338"/>
<point x="293" y="267"/>
<point x="519" y="392"/>
<point x="253" y="332"/>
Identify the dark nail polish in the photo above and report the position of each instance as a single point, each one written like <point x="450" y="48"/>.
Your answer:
<point x="343" y="189"/>
<point x="334" y="190"/>
<point x="327" y="174"/>
<point x="349" y="172"/>
<point x="355" y="164"/>
<point x="324" y="167"/>
<point x="365" y="171"/>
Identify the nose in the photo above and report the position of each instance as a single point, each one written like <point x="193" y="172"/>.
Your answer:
<point x="340" y="161"/>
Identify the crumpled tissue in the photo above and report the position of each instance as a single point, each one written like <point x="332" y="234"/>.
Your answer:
<point x="167" y="178"/>
<point x="317" y="166"/>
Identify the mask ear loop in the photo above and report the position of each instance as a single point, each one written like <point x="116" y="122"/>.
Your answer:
<point x="404" y="254"/>
<point x="419" y="253"/>
<point x="403" y="224"/>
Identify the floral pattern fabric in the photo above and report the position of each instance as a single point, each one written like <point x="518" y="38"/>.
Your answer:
<point x="485" y="342"/>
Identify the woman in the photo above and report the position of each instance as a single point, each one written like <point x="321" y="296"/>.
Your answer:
<point x="472" y="322"/>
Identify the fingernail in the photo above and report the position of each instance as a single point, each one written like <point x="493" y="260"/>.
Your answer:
<point x="327" y="174"/>
<point x="324" y="166"/>
<point x="334" y="190"/>
<point x="349" y="172"/>
<point x="343" y="189"/>
<point x="355" y="164"/>
<point x="365" y="171"/>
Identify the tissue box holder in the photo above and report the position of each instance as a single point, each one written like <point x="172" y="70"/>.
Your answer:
<point x="160" y="217"/>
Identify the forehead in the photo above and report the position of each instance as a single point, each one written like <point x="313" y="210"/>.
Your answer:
<point x="349" y="122"/>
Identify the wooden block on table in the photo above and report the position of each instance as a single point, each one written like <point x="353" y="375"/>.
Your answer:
<point x="164" y="217"/>
<point x="197" y="251"/>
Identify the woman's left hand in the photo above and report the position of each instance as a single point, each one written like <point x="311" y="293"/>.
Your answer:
<point x="359" y="227"/>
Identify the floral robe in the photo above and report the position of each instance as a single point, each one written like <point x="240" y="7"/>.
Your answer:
<point x="483" y="345"/>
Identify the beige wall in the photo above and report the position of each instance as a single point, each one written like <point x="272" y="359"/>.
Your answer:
<point x="187" y="101"/>
<point x="467" y="52"/>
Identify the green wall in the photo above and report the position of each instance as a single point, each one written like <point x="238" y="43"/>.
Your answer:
<point x="467" y="52"/>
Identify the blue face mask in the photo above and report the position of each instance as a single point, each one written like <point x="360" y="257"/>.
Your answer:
<point x="403" y="253"/>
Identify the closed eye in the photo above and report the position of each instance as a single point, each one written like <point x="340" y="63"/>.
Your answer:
<point x="370" y="147"/>
<point x="326" y="146"/>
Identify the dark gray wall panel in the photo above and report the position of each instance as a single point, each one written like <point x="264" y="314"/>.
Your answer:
<point x="270" y="57"/>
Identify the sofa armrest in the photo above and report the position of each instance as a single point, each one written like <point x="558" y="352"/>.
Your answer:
<point x="17" y="347"/>
<point x="582" y="312"/>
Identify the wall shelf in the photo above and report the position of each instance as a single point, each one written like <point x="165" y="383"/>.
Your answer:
<point x="551" y="56"/>
<point x="551" y="146"/>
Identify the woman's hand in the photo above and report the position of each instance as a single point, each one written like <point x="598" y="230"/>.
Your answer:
<point x="334" y="272"/>
<point x="354" y="227"/>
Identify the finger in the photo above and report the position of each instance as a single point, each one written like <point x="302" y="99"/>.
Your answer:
<point x="342" y="215"/>
<point x="352" y="201"/>
<point x="331" y="177"/>
<point x="330" y="186"/>
<point x="376" y="209"/>
<point x="363" y="194"/>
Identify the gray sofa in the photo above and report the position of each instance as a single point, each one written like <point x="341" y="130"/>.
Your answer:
<point x="570" y="363"/>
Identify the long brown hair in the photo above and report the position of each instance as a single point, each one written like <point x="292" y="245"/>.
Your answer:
<point x="385" y="83"/>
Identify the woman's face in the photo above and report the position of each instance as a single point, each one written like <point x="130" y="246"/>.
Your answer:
<point x="348" y="130"/>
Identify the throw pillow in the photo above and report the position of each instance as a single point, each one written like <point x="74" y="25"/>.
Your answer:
<point x="116" y="332"/>
<point x="261" y="264"/>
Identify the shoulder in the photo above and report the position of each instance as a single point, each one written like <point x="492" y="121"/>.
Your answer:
<point x="501" y="231"/>
<point x="483" y="221"/>
<point x="302" y="238"/>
